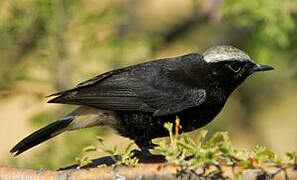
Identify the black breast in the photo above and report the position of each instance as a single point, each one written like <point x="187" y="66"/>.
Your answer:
<point x="142" y="126"/>
<point x="201" y="115"/>
<point x="197" y="117"/>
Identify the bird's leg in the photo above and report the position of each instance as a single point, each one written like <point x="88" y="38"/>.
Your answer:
<point x="145" y="151"/>
<point x="145" y="146"/>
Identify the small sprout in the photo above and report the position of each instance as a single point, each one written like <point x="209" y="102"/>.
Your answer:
<point x="121" y="158"/>
<point x="177" y="127"/>
<point x="189" y="141"/>
<point x="262" y="155"/>
<point x="247" y="164"/>
<point x="292" y="156"/>
<point x="128" y="147"/>
<point x="99" y="138"/>
<point x="89" y="149"/>
<point x="203" y="135"/>
<point x="169" y="127"/>
<point x="84" y="160"/>
<point x="278" y="161"/>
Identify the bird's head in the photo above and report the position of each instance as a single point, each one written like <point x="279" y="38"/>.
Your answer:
<point x="231" y="65"/>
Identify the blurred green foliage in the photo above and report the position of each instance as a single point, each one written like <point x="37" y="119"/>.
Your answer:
<point x="62" y="42"/>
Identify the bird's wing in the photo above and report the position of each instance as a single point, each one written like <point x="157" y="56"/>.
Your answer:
<point x="145" y="87"/>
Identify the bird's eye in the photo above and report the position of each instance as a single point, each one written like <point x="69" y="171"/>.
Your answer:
<point x="235" y="67"/>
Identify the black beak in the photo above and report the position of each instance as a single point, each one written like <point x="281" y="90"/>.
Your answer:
<point x="261" y="67"/>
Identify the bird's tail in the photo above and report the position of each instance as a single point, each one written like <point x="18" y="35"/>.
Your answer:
<point x="41" y="135"/>
<point x="82" y="117"/>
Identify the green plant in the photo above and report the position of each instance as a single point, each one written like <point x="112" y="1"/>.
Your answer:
<point x="121" y="158"/>
<point x="216" y="151"/>
<point x="84" y="160"/>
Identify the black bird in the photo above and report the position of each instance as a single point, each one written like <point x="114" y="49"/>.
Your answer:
<point x="136" y="101"/>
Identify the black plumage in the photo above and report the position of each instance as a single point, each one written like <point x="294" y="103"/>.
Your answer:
<point x="141" y="98"/>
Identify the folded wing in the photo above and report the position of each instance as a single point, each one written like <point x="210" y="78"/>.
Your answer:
<point x="147" y="87"/>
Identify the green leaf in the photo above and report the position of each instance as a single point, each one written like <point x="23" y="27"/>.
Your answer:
<point x="128" y="147"/>
<point x="89" y="149"/>
<point x="100" y="139"/>
<point x="292" y="155"/>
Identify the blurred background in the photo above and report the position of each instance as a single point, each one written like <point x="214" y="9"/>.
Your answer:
<point x="51" y="45"/>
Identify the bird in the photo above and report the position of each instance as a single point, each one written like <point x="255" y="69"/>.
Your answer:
<point x="137" y="100"/>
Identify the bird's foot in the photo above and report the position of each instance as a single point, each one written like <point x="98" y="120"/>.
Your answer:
<point x="145" y="146"/>
<point x="141" y="153"/>
<point x="145" y="156"/>
<point x="146" y="152"/>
